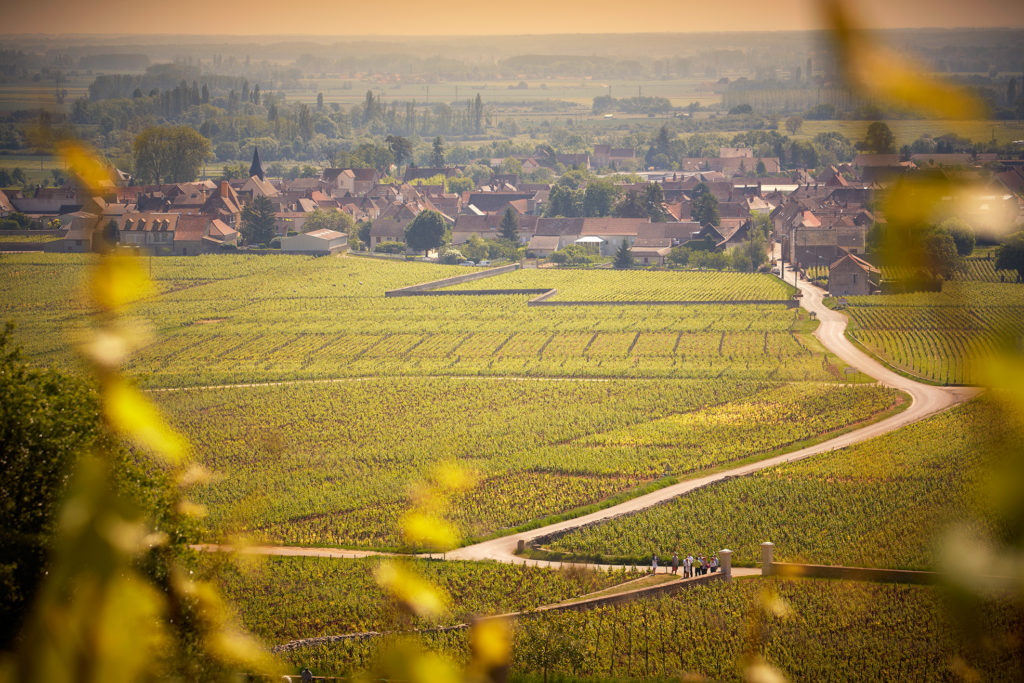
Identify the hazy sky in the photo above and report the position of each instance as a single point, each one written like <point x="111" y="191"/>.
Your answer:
<point x="449" y="17"/>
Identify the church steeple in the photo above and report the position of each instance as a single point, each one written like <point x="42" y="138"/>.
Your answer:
<point x="256" y="169"/>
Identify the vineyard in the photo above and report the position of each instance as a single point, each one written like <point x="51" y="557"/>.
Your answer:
<point x="882" y="503"/>
<point x="839" y="631"/>
<point x="332" y="464"/>
<point x="634" y="285"/>
<point x="289" y="598"/>
<point x="227" y="319"/>
<point x="946" y="337"/>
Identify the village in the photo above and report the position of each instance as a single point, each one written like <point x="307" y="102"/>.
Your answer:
<point x="820" y="221"/>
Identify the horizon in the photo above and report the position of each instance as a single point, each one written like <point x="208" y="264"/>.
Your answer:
<point x="406" y="19"/>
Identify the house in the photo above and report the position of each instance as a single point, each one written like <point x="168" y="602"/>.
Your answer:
<point x="542" y="246"/>
<point x="387" y="230"/>
<point x="651" y="251"/>
<point x="201" y="234"/>
<point x="224" y="204"/>
<point x="552" y="234"/>
<point x="79" y="232"/>
<point x="606" y="156"/>
<point x="258" y="187"/>
<point x="151" y="231"/>
<point x="316" y="243"/>
<point x="488" y="226"/>
<point x="852" y="276"/>
<point x="493" y="202"/>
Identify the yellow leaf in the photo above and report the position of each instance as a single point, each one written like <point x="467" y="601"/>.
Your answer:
<point x="431" y="668"/>
<point x="190" y="509"/>
<point x="118" y="280"/>
<point x="85" y="163"/>
<point x="428" y="531"/>
<point x="417" y="595"/>
<point x="131" y="414"/>
<point x="877" y="71"/>
<point x="491" y="643"/>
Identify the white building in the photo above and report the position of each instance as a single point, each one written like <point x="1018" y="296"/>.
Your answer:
<point x="316" y="243"/>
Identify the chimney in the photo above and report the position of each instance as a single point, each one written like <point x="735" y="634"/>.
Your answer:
<point x="224" y="189"/>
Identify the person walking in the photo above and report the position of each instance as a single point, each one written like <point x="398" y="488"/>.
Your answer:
<point x="675" y="562"/>
<point x="654" y="563"/>
<point x="714" y="564"/>
<point x="688" y="567"/>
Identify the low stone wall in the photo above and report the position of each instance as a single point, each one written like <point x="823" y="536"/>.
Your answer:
<point x="628" y="596"/>
<point x="769" y="567"/>
<point x="417" y="290"/>
<point x="22" y="246"/>
<point x="788" y="303"/>
<point x="820" y="571"/>
<point x="32" y="233"/>
<point x="469" y="292"/>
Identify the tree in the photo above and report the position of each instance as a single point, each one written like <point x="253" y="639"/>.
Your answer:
<point x="599" y="197"/>
<point x="512" y="166"/>
<point x="319" y="100"/>
<point x="631" y="206"/>
<point x="478" y="114"/>
<point x="5" y="178"/>
<point x="425" y="232"/>
<point x="880" y="139"/>
<point x="939" y="255"/>
<point x="437" y="153"/>
<point x="705" y="206"/>
<point x="563" y="201"/>
<point x="679" y="256"/>
<point x="258" y="221"/>
<point x="793" y="124"/>
<point x="654" y="203"/>
<point x="399" y="147"/>
<point x="166" y="154"/>
<point x="962" y="234"/>
<point x="305" y="122"/>
<point x="510" y="226"/>
<point x="1010" y="255"/>
<point x="459" y="184"/>
<point x="624" y="256"/>
<point x="46" y="421"/>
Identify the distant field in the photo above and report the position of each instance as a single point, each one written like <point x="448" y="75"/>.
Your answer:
<point x="581" y="91"/>
<point x="41" y="95"/>
<point x="906" y="131"/>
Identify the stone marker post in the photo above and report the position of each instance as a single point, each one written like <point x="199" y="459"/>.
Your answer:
<point x="767" y="554"/>
<point x="520" y="546"/>
<point x="725" y="563"/>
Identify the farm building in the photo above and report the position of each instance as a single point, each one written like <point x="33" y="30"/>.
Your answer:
<point x="316" y="243"/>
<point x="852" y="276"/>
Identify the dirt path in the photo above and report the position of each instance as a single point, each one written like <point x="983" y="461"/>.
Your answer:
<point x="926" y="400"/>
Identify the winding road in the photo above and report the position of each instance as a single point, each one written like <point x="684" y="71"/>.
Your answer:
<point x="926" y="400"/>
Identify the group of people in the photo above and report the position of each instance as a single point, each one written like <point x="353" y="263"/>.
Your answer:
<point x="692" y="566"/>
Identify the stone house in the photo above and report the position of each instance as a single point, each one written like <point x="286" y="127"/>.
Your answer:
<point x="852" y="276"/>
